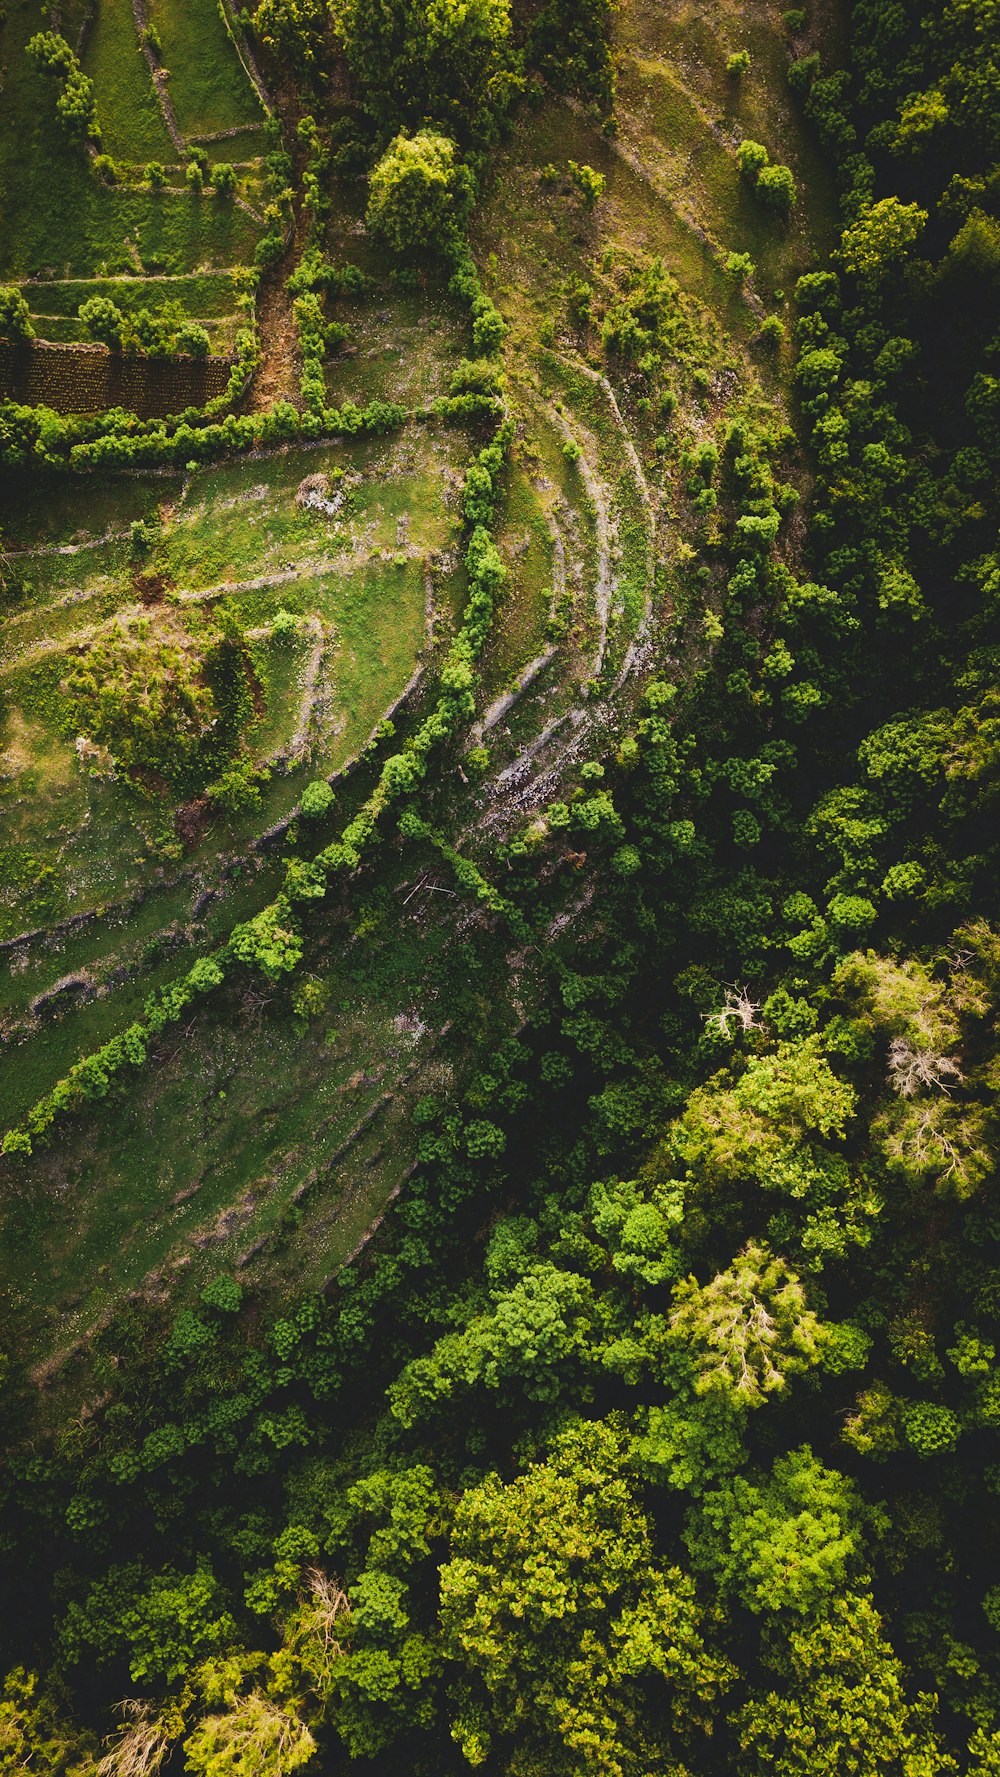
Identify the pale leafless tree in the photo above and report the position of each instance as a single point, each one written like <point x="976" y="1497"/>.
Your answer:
<point x="749" y="1327"/>
<point x="329" y="1608"/>
<point x="256" y="1736"/>
<point x="140" y="1745"/>
<point x="738" y="1008"/>
<point x="915" y="1070"/>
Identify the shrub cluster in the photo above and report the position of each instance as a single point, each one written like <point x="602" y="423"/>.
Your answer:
<point x="76" y="104"/>
<point x="772" y="184"/>
<point x="155" y="334"/>
<point x="15" y="315"/>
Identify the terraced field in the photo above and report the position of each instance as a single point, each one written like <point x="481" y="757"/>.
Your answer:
<point x="362" y="583"/>
<point x="58" y="222"/>
<point x="600" y="520"/>
<point x="209" y="298"/>
<point x="337" y="563"/>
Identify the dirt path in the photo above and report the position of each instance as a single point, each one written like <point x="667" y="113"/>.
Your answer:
<point x="202" y="595"/>
<point x="235" y="129"/>
<point x="498" y="709"/>
<point x="599" y="496"/>
<point x="637" y="645"/>
<point x="601" y="382"/>
<point x="278" y="376"/>
<point x="110" y="536"/>
<point x="143" y="277"/>
<point x="514" y="774"/>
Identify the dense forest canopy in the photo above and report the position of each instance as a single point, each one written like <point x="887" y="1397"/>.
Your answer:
<point x="653" y="1429"/>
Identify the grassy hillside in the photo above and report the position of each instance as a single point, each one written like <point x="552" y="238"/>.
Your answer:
<point x="597" y="533"/>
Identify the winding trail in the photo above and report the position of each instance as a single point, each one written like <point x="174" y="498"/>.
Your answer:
<point x="235" y="129"/>
<point x="637" y="645"/>
<point x="42" y="549"/>
<point x="513" y="775"/>
<point x="259" y="583"/>
<point x="498" y="709"/>
<point x="597" y="491"/>
<point x="143" y="277"/>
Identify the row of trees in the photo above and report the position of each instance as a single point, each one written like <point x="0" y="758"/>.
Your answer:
<point x="75" y="104"/>
<point x="159" y="333"/>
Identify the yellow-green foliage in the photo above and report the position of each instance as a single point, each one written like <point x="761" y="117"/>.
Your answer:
<point x="141" y="690"/>
<point x="419" y="194"/>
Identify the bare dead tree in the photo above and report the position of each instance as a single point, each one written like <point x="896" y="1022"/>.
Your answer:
<point x="329" y="1608"/>
<point x="914" y="1070"/>
<point x="738" y="1008"/>
<point x="140" y="1745"/>
<point x="256" y="1736"/>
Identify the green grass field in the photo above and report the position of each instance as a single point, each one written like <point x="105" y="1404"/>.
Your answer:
<point x="243" y="149"/>
<point x="209" y="298"/>
<point x="132" y="126"/>
<point x="39" y="515"/>
<point x="73" y="226"/>
<point x="212" y="294"/>
<point x="529" y="556"/>
<point x="400" y="349"/>
<point x="57" y="219"/>
<point x="209" y="89"/>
